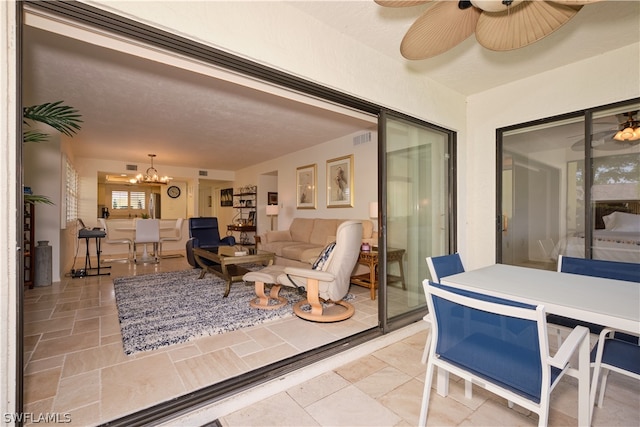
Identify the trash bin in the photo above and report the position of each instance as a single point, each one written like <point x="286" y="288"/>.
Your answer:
<point x="43" y="263"/>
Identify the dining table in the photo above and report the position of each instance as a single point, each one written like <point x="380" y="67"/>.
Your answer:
<point x="607" y="302"/>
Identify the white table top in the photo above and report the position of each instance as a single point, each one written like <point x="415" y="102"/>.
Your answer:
<point x="607" y="302"/>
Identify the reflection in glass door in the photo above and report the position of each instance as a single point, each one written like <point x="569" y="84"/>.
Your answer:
<point x="418" y="209"/>
<point x="560" y="193"/>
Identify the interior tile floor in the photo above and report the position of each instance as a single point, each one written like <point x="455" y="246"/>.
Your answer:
<point x="74" y="363"/>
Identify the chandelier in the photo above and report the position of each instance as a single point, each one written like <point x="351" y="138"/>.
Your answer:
<point x="629" y="130"/>
<point x="151" y="176"/>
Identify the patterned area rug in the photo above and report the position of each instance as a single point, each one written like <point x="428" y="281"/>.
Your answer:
<point x="162" y="309"/>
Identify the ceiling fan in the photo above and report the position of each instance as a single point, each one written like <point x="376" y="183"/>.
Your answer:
<point x="499" y="25"/>
<point x="624" y="135"/>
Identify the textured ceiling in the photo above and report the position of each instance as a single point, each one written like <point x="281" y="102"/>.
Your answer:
<point x="132" y="106"/>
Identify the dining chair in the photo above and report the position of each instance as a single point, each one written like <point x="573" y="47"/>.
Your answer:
<point x="439" y="267"/>
<point x="109" y="239"/>
<point x="502" y="346"/>
<point x="612" y="354"/>
<point x="147" y="231"/>
<point x="176" y="236"/>
<point x="625" y="271"/>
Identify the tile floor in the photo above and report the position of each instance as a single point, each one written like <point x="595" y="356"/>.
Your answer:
<point x="384" y="388"/>
<point x="74" y="361"/>
<point x="74" y="364"/>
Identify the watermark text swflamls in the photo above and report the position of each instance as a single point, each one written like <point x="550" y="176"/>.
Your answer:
<point x="43" y="417"/>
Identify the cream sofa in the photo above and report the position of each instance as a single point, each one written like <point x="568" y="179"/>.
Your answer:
<point x="300" y="245"/>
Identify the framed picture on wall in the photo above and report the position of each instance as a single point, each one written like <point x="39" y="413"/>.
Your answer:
<point x="272" y="198"/>
<point x="340" y="182"/>
<point x="306" y="187"/>
<point x="226" y="197"/>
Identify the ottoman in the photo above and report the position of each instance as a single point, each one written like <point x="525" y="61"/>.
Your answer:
<point x="261" y="277"/>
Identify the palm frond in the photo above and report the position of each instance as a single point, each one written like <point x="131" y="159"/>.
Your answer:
<point x="34" y="136"/>
<point x="63" y="118"/>
<point x="37" y="198"/>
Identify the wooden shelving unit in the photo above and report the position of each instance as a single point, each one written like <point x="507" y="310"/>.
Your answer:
<point x="245" y="222"/>
<point x="28" y="244"/>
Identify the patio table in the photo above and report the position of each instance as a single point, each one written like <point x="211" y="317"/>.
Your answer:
<point x="607" y="302"/>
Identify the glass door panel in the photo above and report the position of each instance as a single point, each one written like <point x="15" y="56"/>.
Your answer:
<point x="615" y="188"/>
<point x="418" y="191"/>
<point x="541" y="197"/>
<point x="561" y="193"/>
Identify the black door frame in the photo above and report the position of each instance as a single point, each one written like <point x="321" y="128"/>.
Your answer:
<point x="79" y="12"/>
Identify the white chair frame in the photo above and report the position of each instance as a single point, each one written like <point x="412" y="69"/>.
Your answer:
<point x="176" y="237"/>
<point x="111" y="241"/>
<point x="599" y="366"/>
<point x="578" y="339"/>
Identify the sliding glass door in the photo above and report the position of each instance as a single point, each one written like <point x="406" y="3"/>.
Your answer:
<point x="569" y="187"/>
<point x="418" y="193"/>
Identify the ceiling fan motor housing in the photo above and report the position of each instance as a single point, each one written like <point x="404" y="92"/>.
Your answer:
<point x="495" y="5"/>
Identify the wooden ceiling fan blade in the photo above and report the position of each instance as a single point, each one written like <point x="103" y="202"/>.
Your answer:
<point x="522" y="25"/>
<point x="401" y="3"/>
<point x="438" y="29"/>
<point x="575" y="2"/>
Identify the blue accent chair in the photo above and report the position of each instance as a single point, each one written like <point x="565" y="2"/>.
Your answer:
<point x="613" y="354"/>
<point x="502" y="346"/>
<point x="204" y="233"/>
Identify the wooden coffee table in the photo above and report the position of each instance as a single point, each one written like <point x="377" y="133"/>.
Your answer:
<point x="226" y="264"/>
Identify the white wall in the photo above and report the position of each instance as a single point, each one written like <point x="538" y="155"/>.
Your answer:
<point x="365" y="170"/>
<point x="608" y="78"/>
<point x="274" y="34"/>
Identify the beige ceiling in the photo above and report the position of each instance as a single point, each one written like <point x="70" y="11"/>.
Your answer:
<point x="133" y="106"/>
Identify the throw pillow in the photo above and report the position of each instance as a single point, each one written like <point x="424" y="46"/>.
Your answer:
<point x="626" y="222"/>
<point x="324" y="257"/>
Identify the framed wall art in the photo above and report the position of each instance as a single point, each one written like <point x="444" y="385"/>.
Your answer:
<point x="272" y="198"/>
<point x="226" y="197"/>
<point x="306" y="187"/>
<point x="340" y="182"/>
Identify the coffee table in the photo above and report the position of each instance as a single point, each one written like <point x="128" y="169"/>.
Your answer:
<point x="223" y="262"/>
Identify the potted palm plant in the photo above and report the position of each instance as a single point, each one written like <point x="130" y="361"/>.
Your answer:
<point x="63" y="118"/>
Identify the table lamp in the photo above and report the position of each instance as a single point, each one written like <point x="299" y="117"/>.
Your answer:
<point x="272" y="210"/>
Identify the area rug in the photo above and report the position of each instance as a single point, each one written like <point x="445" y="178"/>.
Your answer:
<point x="162" y="309"/>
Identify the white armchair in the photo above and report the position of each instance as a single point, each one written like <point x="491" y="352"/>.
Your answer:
<point x="328" y="282"/>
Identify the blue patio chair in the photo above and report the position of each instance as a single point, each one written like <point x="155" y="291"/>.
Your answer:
<point x="439" y="267"/>
<point x="612" y="354"/>
<point x="625" y="271"/>
<point x="502" y="346"/>
<point x="443" y="266"/>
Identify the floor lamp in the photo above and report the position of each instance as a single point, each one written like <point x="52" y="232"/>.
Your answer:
<point x="272" y="210"/>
